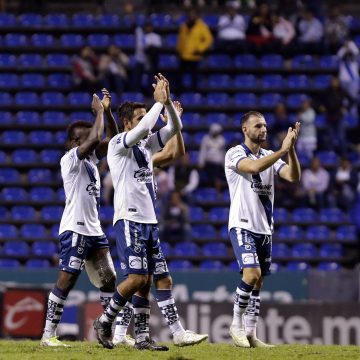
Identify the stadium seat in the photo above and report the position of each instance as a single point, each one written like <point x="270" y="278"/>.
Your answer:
<point x="331" y="215"/>
<point x="304" y="215"/>
<point x="196" y="213"/>
<point x="321" y="81"/>
<point x="5" y="99"/>
<point x="270" y="100"/>
<point x="56" y="20"/>
<point x="247" y="61"/>
<point x="346" y="233"/>
<point x="83" y="20"/>
<point x="30" y="60"/>
<point x="57" y="60"/>
<point x="329" y="266"/>
<point x="42" y="194"/>
<point x="295" y="100"/>
<point x="109" y="20"/>
<point x="8" y="60"/>
<point x="350" y="121"/>
<point x="203" y="231"/>
<point x="50" y="156"/>
<point x="54" y="118"/>
<point x="6" y="117"/>
<point x="180" y="265"/>
<point x="273" y="81"/>
<point x="219" y="81"/>
<point x="30" y="231"/>
<point x="234" y="265"/>
<point x="219" y="214"/>
<point x="186" y="249"/>
<point x="42" y="40"/>
<point x="72" y="40"/>
<point x="41" y="137"/>
<point x="13" y="137"/>
<point x="9" y="263"/>
<point x="166" y="248"/>
<point x="280" y="250"/>
<point x="8" y="80"/>
<point x="280" y="215"/>
<point x="298" y="82"/>
<point x="44" y="248"/>
<point x="52" y="98"/>
<point x="14" y="194"/>
<point x="18" y="248"/>
<point x="221" y="61"/>
<point x="79" y="98"/>
<point x="106" y="213"/>
<point x="317" y="233"/>
<point x="54" y="231"/>
<point x="275" y="267"/>
<point x="170" y="41"/>
<point x="98" y="40"/>
<point x="304" y="62"/>
<point x="214" y="249"/>
<point x="247" y="100"/>
<point x="59" y="81"/>
<point x="306" y="250"/>
<point x="245" y="82"/>
<point x="81" y="115"/>
<point x="16" y="40"/>
<point x="27" y="98"/>
<point x="217" y="99"/>
<point x="320" y="121"/>
<point x="8" y="231"/>
<point x="61" y="137"/>
<point x="272" y="61"/>
<point x="28" y="118"/>
<point x="289" y="232"/>
<point x="7" y="20"/>
<point x="191" y="98"/>
<point x="23" y="212"/>
<point x="194" y="155"/>
<point x="329" y="62"/>
<point x="60" y="195"/>
<point x="124" y="40"/>
<point x="30" y="20"/>
<point x="206" y="195"/>
<point x="24" y="156"/>
<point x="38" y="264"/>
<point x="167" y="61"/>
<point x="298" y="266"/>
<point x="328" y="157"/>
<point x="133" y="96"/>
<point x="9" y="176"/>
<point x="215" y="117"/>
<point x="331" y="251"/>
<point x="51" y="213"/>
<point x="3" y="158"/>
<point x="40" y="175"/>
<point x="212" y="265"/>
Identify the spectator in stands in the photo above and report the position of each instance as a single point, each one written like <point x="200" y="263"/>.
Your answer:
<point x="184" y="178"/>
<point x="336" y="29"/>
<point x="194" y="39"/>
<point x="307" y="141"/>
<point x="163" y="187"/>
<point x="349" y="74"/>
<point x="231" y="30"/>
<point x="283" y="32"/>
<point x="147" y="45"/>
<point x="86" y="70"/>
<point x="212" y="155"/>
<point x="176" y="219"/>
<point x="311" y="32"/>
<point x="113" y="69"/>
<point x="281" y="124"/>
<point x="315" y="181"/>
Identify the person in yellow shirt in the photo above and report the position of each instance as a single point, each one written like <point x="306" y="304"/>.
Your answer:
<point x="194" y="39"/>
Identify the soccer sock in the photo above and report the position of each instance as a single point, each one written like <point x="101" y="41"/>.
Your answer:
<point x="105" y="298"/>
<point x="123" y="319"/>
<point x="241" y="301"/>
<point x="116" y="303"/>
<point x="141" y="317"/>
<point x="168" y="308"/>
<point x="55" y="308"/>
<point x="252" y="313"/>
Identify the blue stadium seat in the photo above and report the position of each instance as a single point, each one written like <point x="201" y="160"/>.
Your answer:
<point x="56" y="20"/>
<point x="57" y="60"/>
<point x="320" y="121"/>
<point x="5" y="99"/>
<point x="270" y="100"/>
<point x="14" y="194"/>
<point x="28" y="118"/>
<point x="79" y="98"/>
<point x="273" y="81"/>
<point x="219" y="214"/>
<point x="30" y="20"/>
<point x="51" y="213"/>
<point x="9" y="263"/>
<point x="280" y="250"/>
<point x="196" y="213"/>
<point x="331" y="251"/>
<point x="3" y="158"/>
<point x="280" y="215"/>
<point x="7" y="20"/>
<point x="203" y="231"/>
<point x="191" y="118"/>
<point x="81" y="115"/>
<point x="96" y="40"/>
<point x="329" y="266"/>
<point x="234" y="265"/>
<point x="170" y="40"/>
<point x="52" y="98"/>
<point x="16" y="40"/>
<point x="27" y="98"/>
<point x="306" y="250"/>
<point x="61" y="137"/>
<point x="50" y="156"/>
<point x="217" y="99"/>
<point x="38" y="264"/>
<point x="41" y="194"/>
<point x="161" y="20"/>
<point x="289" y="232"/>
<point x="59" y="81"/>
<point x="304" y="215"/>
<point x="106" y="213"/>
<point x="9" y="176"/>
<point x="272" y="61"/>
<point x="246" y="61"/>
<point x="211" y="19"/>
<point x="124" y="40"/>
<point x="191" y="98"/>
<point x="219" y="118"/>
<point x="219" y="61"/>
<point x="166" y="248"/>
<point x="331" y="215"/>
<point x="214" y="249"/>
<point x="44" y="248"/>
<point x="6" y="117"/>
<point x="328" y="157"/>
<point x="30" y="60"/>
<point x="180" y="265"/>
<point x="346" y="233"/>
<point x="186" y="249"/>
<point x="54" y="231"/>
<point x="8" y="60"/>
<point x="60" y="194"/>
<point x="23" y="212"/>
<point x="206" y="195"/>
<point x="30" y="231"/>
<point x="298" y="81"/>
<point x="9" y="80"/>
<point x="8" y="231"/>
<point x="72" y="40"/>
<point x="350" y="121"/>
<point x="54" y="118"/>
<point x="317" y="233"/>
<point x="329" y="62"/>
<point x="295" y="100"/>
<point x="133" y="96"/>
<point x="245" y="82"/>
<point x="298" y="266"/>
<point x="41" y="137"/>
<point x="194" y="156"/>
<point x="42" y="40"/>
<point x="321" y="81"/>
<point x="243" y="99"/>
<point x="212" y="265"/>
<point x="18" y="248"/>
<point x="275" y="267"/>
<point x="168" y="61"/>
<point x="109" y="20"/>
<point x="24" y="156"/>
<point x="304" y="62"/>
<point x="219" y="81"/>
<point x="83" y="20"/>
<point x="39" y="175"/>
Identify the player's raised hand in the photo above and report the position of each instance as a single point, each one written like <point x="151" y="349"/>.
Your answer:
<point x="160" y="94"/>
<point x="96" y="104"/>
<point x="178" y="108"/>
<point x="288" y="140"/>
<point x="106" y="100"/>
<point x="296" y="129"/>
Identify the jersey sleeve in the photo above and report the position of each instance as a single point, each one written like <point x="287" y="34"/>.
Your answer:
<point x="70" y="161"/>
<point x="154" y="142"/>
<point x="278" y="165"/>
<point x="118" y="144"/>
<point x="233" y="157"/>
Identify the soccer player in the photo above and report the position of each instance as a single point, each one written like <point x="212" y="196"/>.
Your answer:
<point x="80" y="234"/>
<point x="163" y="281"/>
<point x="250" y="172"/>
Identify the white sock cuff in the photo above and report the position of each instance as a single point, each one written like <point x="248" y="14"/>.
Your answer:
<point x="129" y="305"/>
<point x="142" y="311"/>
<point x="106" y="294"/>
<point x="170" y="301"/>
<point x="56" y="299"/>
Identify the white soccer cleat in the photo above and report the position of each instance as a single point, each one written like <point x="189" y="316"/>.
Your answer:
<point x="126" y="340"/>
<point x="256" y="343"/>
<point x="53" y="341"/>
<point x="188" y="337"/>
<point x="239" y="337"/>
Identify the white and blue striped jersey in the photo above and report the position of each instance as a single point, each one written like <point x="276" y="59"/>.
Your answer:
<point x="82" y="191"/>
<point x="131" y="171"/>
<point x="252" y="195"/>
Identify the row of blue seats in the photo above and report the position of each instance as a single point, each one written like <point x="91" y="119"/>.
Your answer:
<point x="46" y="156"/>
<point x="166" y="61"/>
<point x="40" y="194"/>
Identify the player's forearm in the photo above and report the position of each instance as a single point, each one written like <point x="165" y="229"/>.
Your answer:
<point x="111" y="126"/>
<point x="294" y="166"/>
<point x="145" y="125"/>
<point x="174" y="124"/>
<point x="97" y="129"/>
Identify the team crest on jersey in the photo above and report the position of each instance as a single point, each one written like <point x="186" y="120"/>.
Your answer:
<point x="143" y="175"/>
<point x="93" y="190"/>
<point x="260" y="188"/>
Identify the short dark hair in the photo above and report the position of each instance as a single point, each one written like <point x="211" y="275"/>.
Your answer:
<point x="247" y="116"/>
<point x="77" y="124"/>
<point x="126" y="111"/>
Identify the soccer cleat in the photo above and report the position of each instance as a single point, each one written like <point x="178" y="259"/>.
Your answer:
<point x="186" y="338"/>
<point x="126" y="340"/>
<point x="256" y="343"/>
<point x="53" y="341"/>
<point x="149" y="344"/>
<point x="239" y="337"/>
<point x="103" y="333"/>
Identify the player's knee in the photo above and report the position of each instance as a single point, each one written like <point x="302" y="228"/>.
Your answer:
<point x="66" y="281"/>
<point x="139" y="281"/>
<point x="251" y="276"/>
<point x="109" y="284"/>
<point x="164" y="283"/>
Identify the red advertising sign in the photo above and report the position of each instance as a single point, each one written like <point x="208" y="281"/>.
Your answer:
<point x="24" y="312"/>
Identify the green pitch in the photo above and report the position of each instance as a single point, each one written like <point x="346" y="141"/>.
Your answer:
<point x="30" y="350"/>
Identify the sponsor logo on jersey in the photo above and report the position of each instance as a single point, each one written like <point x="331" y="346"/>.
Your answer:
<point x="135" y="262"/>
<point x="143" y="175"/>
<point x="75" y="263"/>
<point x="244" y="220"/>
<point x="80" y="223"/>
<point x="132" y="210"/>
<point x="92" y="189"/>
<point x="260" y="188"/>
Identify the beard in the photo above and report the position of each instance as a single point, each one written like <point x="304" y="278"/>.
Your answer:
<point x="258" y="139"/>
